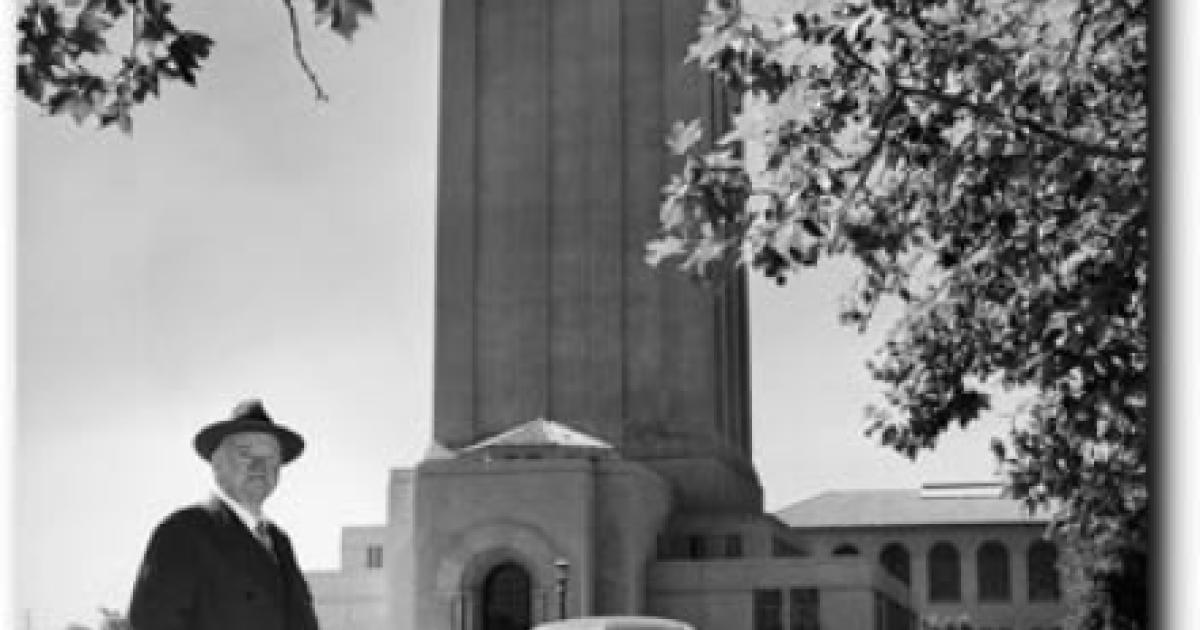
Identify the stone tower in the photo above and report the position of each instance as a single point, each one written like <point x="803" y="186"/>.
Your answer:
<point x="585" y="404"/>
<point x="592" y="420"/>
<point x="552" y="155"/>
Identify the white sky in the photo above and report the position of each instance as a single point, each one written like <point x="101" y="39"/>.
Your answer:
<point x="247" y="241"/>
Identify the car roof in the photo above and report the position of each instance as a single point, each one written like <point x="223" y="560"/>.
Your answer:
<point x="615" y="623"/>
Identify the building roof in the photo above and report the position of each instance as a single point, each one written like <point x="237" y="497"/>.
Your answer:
<point x="930" y="505"/>
<point x="541" y="432"/>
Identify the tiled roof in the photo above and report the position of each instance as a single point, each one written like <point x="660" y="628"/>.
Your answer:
<point x="877" y="508"/>
<point x="541" y="432"/>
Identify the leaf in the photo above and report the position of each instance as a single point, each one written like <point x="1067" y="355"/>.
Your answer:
<point x="343" y="15"/>
<point x="855" y="137"/>
<point x="156" y="26"/>
<point x="812" y="228"/>
<point x="803" y="54"/>
<point x="59" y="100"/>
<point x="1050" y="83"/>
<point x="684" y="135"/>
<point x="79" y="107"/>
<point x="957" y="134"/>
<point x="89" y="25"/>
<point x="186" y="50"/>
<point x="663" y="248"/>
<point x="704" y="49"/>
<point x="705" y="252"/>
<point x="869" y="25"/>
<point x="118" y="113"/>
<point x="30" y="83"/>
<point x="671" y="213"/>
<point x="93" y="19"/>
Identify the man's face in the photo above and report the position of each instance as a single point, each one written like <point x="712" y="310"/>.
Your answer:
<point x="246" y="466"/>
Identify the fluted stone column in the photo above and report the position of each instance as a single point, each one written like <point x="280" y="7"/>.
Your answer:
<point x="552" y="155"/>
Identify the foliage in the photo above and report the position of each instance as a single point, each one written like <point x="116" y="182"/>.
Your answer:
<point x="109" y="620"/>
<point x="65" y="64"/>
<point x="1105" y="583"/>
<point x="984" y="162"/>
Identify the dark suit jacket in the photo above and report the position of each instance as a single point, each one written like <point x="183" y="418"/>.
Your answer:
<point x="204" y="570"/>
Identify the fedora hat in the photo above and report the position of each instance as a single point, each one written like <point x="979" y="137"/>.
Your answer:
<point x="248" y="417"/>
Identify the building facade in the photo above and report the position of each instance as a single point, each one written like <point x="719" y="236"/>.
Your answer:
<point x="592" y="424"/>
<point x="869" y="560"/>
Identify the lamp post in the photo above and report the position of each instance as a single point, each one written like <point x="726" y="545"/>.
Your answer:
<point x="562" y="569"/>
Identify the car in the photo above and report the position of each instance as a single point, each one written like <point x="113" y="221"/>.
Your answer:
<point x="615" y="623"/>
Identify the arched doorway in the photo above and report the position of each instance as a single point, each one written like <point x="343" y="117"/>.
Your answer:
<point x="507" y="598"/>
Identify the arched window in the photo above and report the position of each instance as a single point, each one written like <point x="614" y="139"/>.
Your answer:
<point x="507" y="599"/>
<point x="1042" y="561"/>
<point x="845" y="549"/>
<point x="944" y="573"/>
<point x="894" y="559"/>
<point x="991" y="563"/>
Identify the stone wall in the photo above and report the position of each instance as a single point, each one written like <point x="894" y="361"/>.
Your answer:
<point x="1017" y="614"/>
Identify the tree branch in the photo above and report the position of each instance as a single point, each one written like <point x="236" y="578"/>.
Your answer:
<point x="1081" y="8"/>
<point x="299" y="52"/>
<point x="843" y="45"/>
<point x="890" y="108"/>
<point x="992" y="112"/>
<point x="134" y="43"/>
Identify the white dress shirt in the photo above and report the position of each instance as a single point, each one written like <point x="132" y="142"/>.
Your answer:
<point x="244" y="515"/>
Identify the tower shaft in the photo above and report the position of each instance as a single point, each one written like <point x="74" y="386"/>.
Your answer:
<point x="552" y="156"/>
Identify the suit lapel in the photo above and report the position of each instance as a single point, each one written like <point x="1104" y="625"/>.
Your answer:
<point x="293" y="578"/>
<point x="243" y="550"/>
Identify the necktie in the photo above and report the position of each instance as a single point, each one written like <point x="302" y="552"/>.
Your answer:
<point x="264" y="537"/>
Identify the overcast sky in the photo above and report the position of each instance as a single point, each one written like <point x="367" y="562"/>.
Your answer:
<point x="248" y="241"/>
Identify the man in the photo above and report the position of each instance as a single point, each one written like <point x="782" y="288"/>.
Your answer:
<point x="222" y="565"/>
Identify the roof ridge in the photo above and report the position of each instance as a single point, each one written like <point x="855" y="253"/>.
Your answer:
<point x="850" y="508"/>
<point x="541" y="432"/>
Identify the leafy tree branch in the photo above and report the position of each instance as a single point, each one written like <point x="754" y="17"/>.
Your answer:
<point x="994" y="113"/>
<point x="985" y="163"/>
<point x="65" y="64"/>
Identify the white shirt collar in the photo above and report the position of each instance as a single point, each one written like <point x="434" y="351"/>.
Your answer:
<point x="245" y="516"/>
